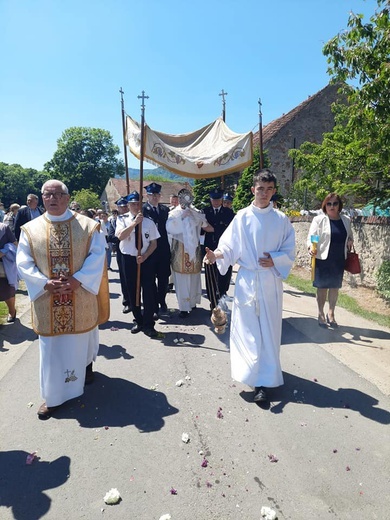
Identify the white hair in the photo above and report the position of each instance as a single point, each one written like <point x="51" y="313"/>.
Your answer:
<point x="63" y="186"/>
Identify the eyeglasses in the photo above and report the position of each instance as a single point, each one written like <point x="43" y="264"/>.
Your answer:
<point x="55" y="194"/>
<point x="329" y="204"/>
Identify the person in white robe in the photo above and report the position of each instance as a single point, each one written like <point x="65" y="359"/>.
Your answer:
<point x="183" y="226"/>
<point x="67" y="286"/>
<point x="261" y="240"/>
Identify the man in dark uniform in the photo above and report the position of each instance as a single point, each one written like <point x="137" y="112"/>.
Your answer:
<point x="161" y="257"/>
<point x="219" y="218"/>
<point x="123" y="208"/>
<point x="133" y="254"/>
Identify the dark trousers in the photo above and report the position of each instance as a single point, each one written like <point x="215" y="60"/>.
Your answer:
<point x="144" y="319"/>
<point x="162" y="271"/>
<point x="217" y="285"/>
<point x="119" y="260"/>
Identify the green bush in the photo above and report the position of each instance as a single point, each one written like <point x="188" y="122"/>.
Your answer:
<point x="383" y="279"/>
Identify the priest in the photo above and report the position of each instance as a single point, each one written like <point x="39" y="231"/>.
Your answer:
<point x="261" y="240"/>
<point x="61" y="257"/>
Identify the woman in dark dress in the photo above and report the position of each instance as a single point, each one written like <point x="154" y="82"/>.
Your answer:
<point x="8" y="277"/>
<point x="335" y="238"/>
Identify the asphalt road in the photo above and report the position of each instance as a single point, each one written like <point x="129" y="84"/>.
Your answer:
<point x="319" y="450"/>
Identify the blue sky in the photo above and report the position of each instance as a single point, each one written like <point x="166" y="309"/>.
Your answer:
<point x="64" y="61"/>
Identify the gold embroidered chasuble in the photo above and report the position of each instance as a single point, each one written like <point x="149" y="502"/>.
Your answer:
<point x="180" y="260"/>
<point x="59" y="248"/>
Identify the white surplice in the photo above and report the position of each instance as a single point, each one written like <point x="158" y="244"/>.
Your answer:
<point x="256" y="321"/>
<point x="63" y="358"/>
<point x="186" y="229"/>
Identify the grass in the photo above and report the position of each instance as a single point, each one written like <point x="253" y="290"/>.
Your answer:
<point x="344" y="301"/>
<point x="3" y="312"/>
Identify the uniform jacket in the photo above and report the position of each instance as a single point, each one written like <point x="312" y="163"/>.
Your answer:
<point x="321" y="226"/>
<point x="219" y="222"/>
<point x="160" y="221"/>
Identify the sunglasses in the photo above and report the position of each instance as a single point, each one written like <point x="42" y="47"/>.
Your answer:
<point x="329" y="204"/>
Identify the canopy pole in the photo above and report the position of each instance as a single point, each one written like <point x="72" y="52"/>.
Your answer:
<point x="223" y="94"/>
<point x="141" y="181"/>
<point x="124" y="141"/>
<point x="261" y="155"/>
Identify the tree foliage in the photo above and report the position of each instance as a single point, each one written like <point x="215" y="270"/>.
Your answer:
<point x="17" y="182"/>
<point x="85" y="158"/>
<point x="354" y="159"/>
<point x="86" y="198"/>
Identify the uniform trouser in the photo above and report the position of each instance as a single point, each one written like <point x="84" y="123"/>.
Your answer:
<point x="217" y="285"/>
<point x="125" y="296"/>
<point x="144" y="319"/>
<point x="162" y="272"/>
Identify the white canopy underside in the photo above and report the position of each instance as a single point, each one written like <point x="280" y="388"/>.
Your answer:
<point x="212" y="151"/>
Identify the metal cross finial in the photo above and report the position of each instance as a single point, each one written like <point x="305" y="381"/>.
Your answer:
<point x="260" y="107"/>
<point x="223" y="94"/>
<point x="143" y="97"/>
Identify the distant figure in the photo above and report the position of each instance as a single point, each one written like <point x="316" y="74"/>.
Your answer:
<point x="9" y="219"/>
<point x="261" y="241"/>
<point x="173" y="201"/>
<point x="61" y="258"/>
<point x="75" y="206"/>
<point x="8" y="272"/>
<point x="227" y="201"/>
<point x="30" y="212"/>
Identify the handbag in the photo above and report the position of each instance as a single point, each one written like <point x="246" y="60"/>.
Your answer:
<point x="352" y="262"/>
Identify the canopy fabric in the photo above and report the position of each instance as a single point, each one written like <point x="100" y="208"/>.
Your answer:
<point x="212" y="151"/>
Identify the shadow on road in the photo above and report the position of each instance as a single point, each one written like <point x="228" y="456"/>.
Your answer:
<point x="15" y="333"/>
<point x="22" y="485"/>
<point x="297" y="390"/>
<point x="116" y="402"/>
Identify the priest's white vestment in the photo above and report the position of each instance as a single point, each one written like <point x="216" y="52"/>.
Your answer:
<point x="184" y="225"/>
<point x="256" y="321"/>
<point x="63" y="358"/>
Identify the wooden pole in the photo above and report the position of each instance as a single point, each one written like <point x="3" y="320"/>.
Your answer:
<point x="223" y="94"/>
<point x="141" y="181"/>
<point x="261" y="155"/>
<point x="124" y="141"/>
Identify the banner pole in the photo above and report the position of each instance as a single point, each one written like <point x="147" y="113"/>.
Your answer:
<point x="223" y="94"/>
<point x="141" y="181"/>
<point x="124" y="141"/>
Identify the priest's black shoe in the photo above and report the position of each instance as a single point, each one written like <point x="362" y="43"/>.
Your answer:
<point x="183" y="314"/>
<point x="126" y="309"/>
<point x="260" y="395"/>
<point x="137" y="328"/>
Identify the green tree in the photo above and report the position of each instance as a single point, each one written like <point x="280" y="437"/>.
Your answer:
<point x="17" y="182"/>
<point x="85" y="158"/>
<point x="354" y="159"/>
<point x="86" y="198"/>
<point x="243" y="196"/>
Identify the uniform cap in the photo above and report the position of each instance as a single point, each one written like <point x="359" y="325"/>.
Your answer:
<point x="227" y="196"/>
<point x="216" y="194"/>
<point x="121" y="202"/>
<point x="153" y="188"/>
<point x="133" y="196"/>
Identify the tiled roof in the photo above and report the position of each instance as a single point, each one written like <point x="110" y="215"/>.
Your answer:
<point x="270" y="130"/>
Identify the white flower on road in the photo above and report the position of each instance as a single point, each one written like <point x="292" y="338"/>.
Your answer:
<point x="268" y="513"/>
<point x="112" y="497"/>
<point x="165" y="517"/>
<point x="180" y="382"/>
<point x="185" y="437"/>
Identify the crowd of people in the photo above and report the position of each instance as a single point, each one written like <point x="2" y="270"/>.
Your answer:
<point x="63" y="254"/>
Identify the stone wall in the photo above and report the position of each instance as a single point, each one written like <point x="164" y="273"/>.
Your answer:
<point x="372" y="243"/>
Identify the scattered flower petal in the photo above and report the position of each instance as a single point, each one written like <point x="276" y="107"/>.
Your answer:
<point x="209" y="484"/>
<point x="167" y="516"/>
<point x="175" y="340"/>
<point x="30" y="458"/>
<point x="30" y="404"/>
<point x="185" y="437"/>
<point x="180" y="382"/>
<point x="219" y="413"/>
<point x="153" y="387"/>
<point x="173" y="491"/>
<point x="315" y="380"/>
<point x="188" y="378"/>
<point x="205" y="463"/>
<point x="268" y="513"/>
<point x="112" y="497"/>
<point x="182" y="340"/>
<point x="348" y="468"/>
<point x="114" y="328"/>
<point x="272" y="458"/>
<point x="334" y="451"/>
